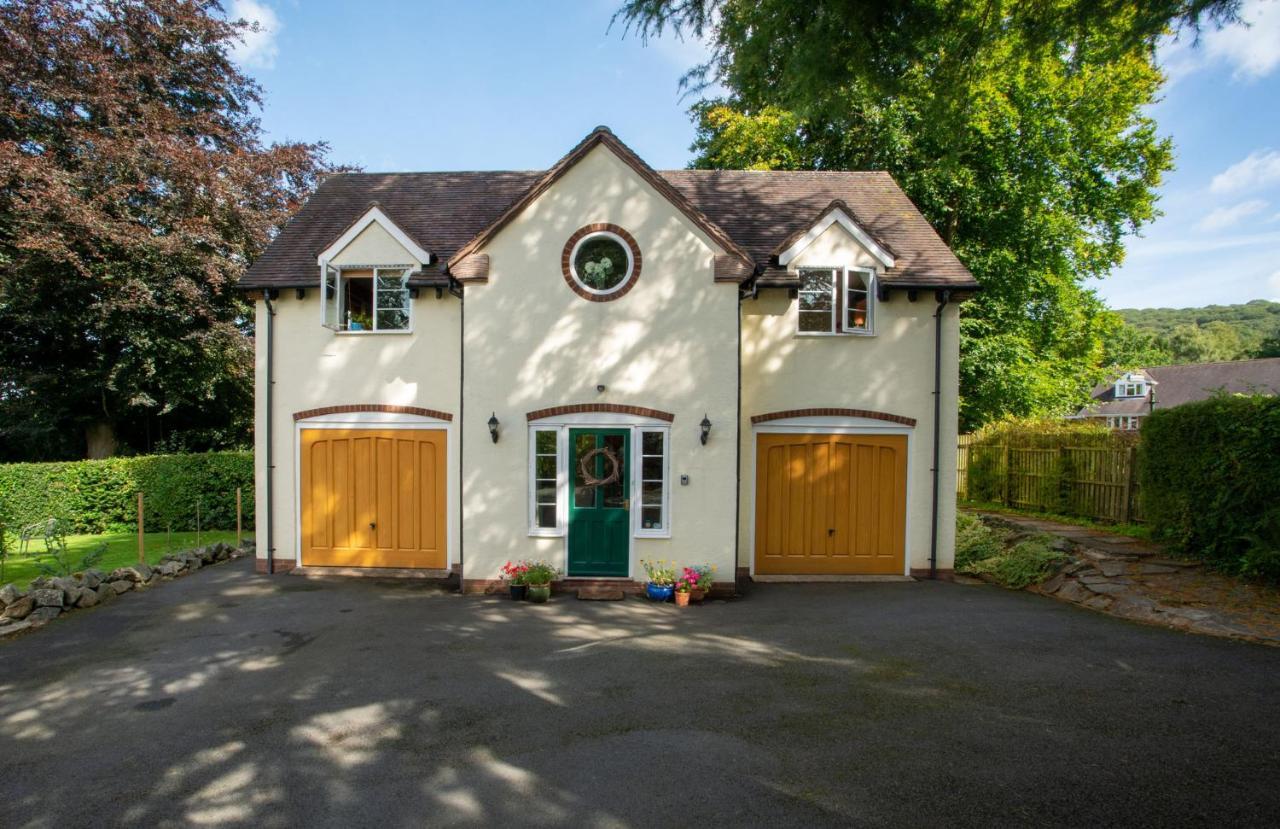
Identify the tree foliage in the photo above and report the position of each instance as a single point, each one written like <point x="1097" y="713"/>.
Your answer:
<point x="1018" y="129"/>
<point x="1215" y="332"/>
<point x="134" y="188"/>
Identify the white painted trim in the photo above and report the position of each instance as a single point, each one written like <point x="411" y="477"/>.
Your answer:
<point x="374" y="214"/>
<point x="823" y="426"/>
<point x="573" y="267"/>
<point x="339" y="282"/>
<point x="395" y="420"/>
<point x="846" y="221"/>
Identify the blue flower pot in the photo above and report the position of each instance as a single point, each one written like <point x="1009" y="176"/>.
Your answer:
<point x="659" y="592"/>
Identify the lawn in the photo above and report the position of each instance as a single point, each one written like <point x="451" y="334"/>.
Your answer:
<point x="122" y="549"/>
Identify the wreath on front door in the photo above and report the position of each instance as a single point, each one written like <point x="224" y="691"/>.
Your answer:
<point x="586" y="467"/>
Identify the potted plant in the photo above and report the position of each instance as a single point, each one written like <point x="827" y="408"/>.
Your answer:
<point x="682" y="587"/>
<point x="514" y="572"/>
<point x="538" y="576"/>
<point x="700" y="578"/>
<point x="661" y="577"/>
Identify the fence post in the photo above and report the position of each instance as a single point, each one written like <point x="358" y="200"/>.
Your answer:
<point x="1008" y="476"/>
<point x="238" y="519"/>
<point x="142" y="555"/>
<point x="1126" y="505"/>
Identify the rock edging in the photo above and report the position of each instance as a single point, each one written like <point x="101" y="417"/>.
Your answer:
<point x="49" y="597"/>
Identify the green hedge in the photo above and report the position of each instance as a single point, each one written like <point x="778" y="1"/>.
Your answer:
<point x="101" y="496"/>
<point x="1210" y="474"/>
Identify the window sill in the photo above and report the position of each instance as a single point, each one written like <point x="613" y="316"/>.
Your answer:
<point x="653" y="534"/>
<point x="835" y="334"/>
<point x="544" y="533"/>
<point x="370" y="333"/>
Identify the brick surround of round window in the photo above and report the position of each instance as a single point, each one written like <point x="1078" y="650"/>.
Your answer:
<point x="566" y="263"/>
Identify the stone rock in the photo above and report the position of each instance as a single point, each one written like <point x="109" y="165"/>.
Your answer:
<point x="92" y="578"/>
<point x="105" y="592"/>
<point x="1062" y="545"/>
<point x="42" y="615"/>
<point x="48" y="597"/>
<point x="20" y="609"/>
<point x="206" y="554"/>
<point x="169" y="569"/>
<point x="1105" y="587"/>
<point x="88" y="598"/>
<point x="1113" y="568"/>
<point x="16" y="627"/>
<point x="9" y="594"/>
<point x="1053" y="584"/>
<point x="1189" y="614"/>
<point x="1148" y="568"/>
<point x="134" y="573"/>
<point x="41" y="582"/>
<point x="1093" y="578"/>
<point x="1097" y="602"/>
<point x="1073" y="591"/>
<point x="120" y="586"/>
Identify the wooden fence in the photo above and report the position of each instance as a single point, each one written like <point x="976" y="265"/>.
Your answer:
<point x="1088" y="481"/>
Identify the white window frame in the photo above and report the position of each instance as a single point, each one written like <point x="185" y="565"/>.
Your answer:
<point x="562" y="504"/>
<point x="561" y="426"/>
<point x="573" y="263"/>
<point x="840" y="301"/>
<point x="341" y="326"/>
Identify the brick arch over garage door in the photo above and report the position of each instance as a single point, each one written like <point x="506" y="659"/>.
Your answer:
<point x="789" y="413"/>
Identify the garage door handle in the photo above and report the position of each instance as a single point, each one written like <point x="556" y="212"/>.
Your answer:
<point x="831" y="531"/>
<point x="373" y="526"/>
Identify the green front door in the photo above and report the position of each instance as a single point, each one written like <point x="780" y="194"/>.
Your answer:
<point x="599" y="520"/>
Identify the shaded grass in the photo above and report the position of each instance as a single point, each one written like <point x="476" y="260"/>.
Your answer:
<point x="122" y="550"/>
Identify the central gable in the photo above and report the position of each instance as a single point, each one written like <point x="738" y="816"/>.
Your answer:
<point x="602" y="182"/>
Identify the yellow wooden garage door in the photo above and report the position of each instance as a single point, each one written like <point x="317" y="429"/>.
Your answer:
<point x="373" y="498"/>
<point x="830" y="504"/>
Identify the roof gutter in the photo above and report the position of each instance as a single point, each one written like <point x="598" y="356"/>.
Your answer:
<point x="271" y="381"/>
<point x="944" y="297"/>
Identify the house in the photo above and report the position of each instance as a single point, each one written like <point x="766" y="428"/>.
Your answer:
<point x="1124" y="401"/>
<point x="601" y="363"/>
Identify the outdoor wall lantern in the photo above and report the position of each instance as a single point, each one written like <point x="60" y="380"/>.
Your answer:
<point x="493" y="426"/>
<point x="706" y="428"/>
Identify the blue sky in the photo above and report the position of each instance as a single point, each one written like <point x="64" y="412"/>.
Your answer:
<point x="513" y="85"/>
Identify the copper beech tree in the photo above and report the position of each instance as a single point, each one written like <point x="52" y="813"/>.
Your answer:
<point x="135" y="186"/>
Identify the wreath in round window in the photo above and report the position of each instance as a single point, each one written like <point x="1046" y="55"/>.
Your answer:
<point x="601" y="262"/>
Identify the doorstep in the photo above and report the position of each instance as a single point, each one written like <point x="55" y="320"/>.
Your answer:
<point x="372" y="572"/>
<point x="815" y="579"/>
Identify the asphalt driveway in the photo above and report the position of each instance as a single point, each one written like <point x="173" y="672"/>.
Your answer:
<point x="238" y="699"/>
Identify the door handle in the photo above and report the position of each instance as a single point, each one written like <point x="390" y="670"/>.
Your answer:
<point x="373" y="526"/>
<point x="626" y="504"/>
<point x="831" y="531"/>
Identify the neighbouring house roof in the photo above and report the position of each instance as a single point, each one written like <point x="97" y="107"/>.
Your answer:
<point x="749" y="213"/>
<point x="1175" y="385"/>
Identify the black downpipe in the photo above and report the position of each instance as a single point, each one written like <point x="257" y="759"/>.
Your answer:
<point x="271" y="381"/>
<point x="943" y="298"/>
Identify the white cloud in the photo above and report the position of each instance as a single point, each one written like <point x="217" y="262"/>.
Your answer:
<point x="1260" y="169"/>
<point x="258" y="49"/>
<point x="1252" y="50"/>
<point x="1225" y="217"/>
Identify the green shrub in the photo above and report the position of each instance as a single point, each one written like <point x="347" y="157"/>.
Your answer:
<point x="975" y="541"/>
<point x="101" y="496"/>
<point x="1030" y="561"/>
<point x="1210" y="481"/>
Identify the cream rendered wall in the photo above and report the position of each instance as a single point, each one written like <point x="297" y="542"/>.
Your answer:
<point x="315" y="367"/>
<point x="374" y="246"/>
<point x="532" y="343"/>
<point x="890" y="372"/>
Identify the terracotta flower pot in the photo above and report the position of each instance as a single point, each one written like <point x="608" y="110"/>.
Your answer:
<point x="682" y="599"/>
<point x="697" y="595"/>
<point x="539" y="593"/>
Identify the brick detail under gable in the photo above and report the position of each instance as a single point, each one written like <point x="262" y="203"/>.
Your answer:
<point x="566" y="265"/>
<point x="372" y="407"/>
<point x="891" y="418"/>
<point x="615" y="408"/>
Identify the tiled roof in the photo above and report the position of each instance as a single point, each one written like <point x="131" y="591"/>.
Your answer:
<point x="1178" y="384"/>
<point x="756" y="210"/>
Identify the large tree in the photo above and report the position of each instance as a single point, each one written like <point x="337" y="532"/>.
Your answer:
<point x="1017" y="126"/>
<point x="134" y="187"/>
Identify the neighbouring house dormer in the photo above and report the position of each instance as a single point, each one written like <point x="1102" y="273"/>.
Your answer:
<point x="365" y="273"/>
<point x="839" y="265"/>
<point x="1132" y="384"/>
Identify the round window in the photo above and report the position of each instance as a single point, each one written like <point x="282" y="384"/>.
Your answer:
<point x="601" y="262"/>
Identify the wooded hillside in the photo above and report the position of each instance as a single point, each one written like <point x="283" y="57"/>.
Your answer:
<point x="1215" y="332"/>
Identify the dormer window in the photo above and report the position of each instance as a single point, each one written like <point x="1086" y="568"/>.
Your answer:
<point x="1131" y="387"/>
<point x="365" y="300"/>
<point x="836" y="300"/>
